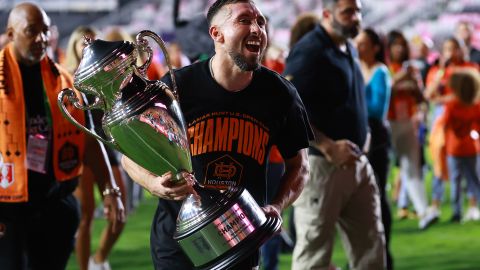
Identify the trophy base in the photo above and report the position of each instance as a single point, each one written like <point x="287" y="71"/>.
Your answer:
<point x="246" y="247"/>
<point x="221" y="229"/>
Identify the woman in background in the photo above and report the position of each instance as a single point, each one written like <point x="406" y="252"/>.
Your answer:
<point x="378" y="89"/>
<point x="402" y="114"/>
<point x="84" y="191"/>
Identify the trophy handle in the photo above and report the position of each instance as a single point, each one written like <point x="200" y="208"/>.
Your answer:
<point x="143" y="44"/>
<point x="72" y="98"/>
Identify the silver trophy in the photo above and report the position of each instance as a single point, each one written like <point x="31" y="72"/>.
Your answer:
<point x="142" y="119"/>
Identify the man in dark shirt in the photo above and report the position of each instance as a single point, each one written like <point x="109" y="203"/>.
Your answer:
<point x="342" y="187"/>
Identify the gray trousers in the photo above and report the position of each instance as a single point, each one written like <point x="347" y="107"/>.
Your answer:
<point x="347" y="198"/>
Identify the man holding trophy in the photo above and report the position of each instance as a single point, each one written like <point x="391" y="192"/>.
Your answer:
<point x="234" y="110"/>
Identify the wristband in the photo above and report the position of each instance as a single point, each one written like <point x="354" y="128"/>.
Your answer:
<point x="112" y="191"/>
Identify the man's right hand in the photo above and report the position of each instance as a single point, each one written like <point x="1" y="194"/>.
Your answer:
<point x="342" y="153"/>
<point x="160" y="186"/>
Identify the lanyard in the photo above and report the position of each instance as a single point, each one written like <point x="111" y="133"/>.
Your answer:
<point x="47" y="105"/>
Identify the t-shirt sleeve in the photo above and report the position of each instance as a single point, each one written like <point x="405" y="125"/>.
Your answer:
<point x="380" y="86"/>
<point x="295" y="133"/>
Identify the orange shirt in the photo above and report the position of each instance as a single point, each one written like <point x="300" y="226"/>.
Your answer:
<point x="460" y="121"/>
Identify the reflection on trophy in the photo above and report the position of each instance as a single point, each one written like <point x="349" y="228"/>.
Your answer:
<point x="142" y="119"/>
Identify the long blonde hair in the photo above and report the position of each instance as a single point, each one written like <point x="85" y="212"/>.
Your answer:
<point x="72" y="59"/>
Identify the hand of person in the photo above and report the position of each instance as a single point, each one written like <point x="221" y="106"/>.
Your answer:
<point x="114" y="210"/>
<point x="272" y="210"/>
<point x="160" y="186"/>
<point x="343" y="153"/>
<point x="164" y="187"/>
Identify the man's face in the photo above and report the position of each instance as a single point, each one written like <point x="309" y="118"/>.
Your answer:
<point x="346" y="18"/>
<point x="244" y="35"/>
<point x="30" y="33"/>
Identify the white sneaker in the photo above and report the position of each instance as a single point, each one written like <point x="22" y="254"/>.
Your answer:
<point x="92" y="265"/>
<point x="473" y="214"/>
<point x="430" y="217"/>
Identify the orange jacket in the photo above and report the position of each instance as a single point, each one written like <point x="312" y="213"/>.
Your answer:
<point x="68" y="141"/>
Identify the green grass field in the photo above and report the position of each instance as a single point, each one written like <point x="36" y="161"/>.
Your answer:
<point x="444" y="246"/>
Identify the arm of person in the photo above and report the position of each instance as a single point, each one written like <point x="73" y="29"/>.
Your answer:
<point x="160" y="186"/>
<point x="433" y="84"/>
<point x="380" y="86"/>
<point x="341" y="152"/>
<point x="294" y="178"/>
<point x="114" y="209"/>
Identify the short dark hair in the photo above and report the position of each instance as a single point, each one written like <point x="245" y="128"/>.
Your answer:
<point x="215" y="7"/>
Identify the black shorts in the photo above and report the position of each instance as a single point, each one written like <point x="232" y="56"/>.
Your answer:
<point x="38" y="236"/>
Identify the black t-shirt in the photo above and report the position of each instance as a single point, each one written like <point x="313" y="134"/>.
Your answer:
<point x="231" y="133"/>
<point x="41" y="186"/>
<point x="331" y="85"/>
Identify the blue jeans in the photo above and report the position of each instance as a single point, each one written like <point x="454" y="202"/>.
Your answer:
<point x="459" y="167"/>
<point x="271" y="249"/>
<point x="438" y="188"/>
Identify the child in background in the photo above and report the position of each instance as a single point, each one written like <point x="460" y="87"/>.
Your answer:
<point x="461" y="116"/>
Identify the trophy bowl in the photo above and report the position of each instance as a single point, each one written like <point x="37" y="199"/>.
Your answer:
<point x="142" y="119"/>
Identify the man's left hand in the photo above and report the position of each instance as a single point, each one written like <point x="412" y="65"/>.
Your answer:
<point x="114" y="210"/>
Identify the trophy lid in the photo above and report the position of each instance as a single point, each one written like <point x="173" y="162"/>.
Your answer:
<point x="100" y="53"/>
